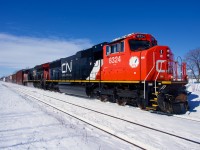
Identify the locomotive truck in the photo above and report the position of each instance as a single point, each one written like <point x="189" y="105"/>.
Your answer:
<point x="131" y="69"/>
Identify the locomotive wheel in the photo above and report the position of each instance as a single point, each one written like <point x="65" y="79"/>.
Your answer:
<point x="104" y="98"/>
<point x="121" y="101"/>
<point x="112" y="99"/>
<point x="141" y="102"/>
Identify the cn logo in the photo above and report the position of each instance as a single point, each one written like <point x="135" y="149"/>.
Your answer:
<point x="159" y="65"/>
<point x="134" y="62"/>
<point x="67" y="67"/>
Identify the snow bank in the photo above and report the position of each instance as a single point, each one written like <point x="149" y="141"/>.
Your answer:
<point x="194" y="100"/>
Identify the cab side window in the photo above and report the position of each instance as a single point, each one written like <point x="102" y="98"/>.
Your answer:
<point x="108" y="50"/>
<point x="115" y="48"/>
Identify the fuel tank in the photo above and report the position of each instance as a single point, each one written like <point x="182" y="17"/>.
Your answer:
<point x="72" y="89"/>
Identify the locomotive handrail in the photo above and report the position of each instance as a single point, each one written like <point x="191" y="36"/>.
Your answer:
<point x="179" y="71"/>
<point x="149" y="73"/>
<point x="179" y="65"/>
<point x="158" y="74"/>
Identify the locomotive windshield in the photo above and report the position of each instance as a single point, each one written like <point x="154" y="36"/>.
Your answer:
<point x="139" y="45"/>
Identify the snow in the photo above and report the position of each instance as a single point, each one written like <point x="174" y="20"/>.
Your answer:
<point x="194" y="100"/>
<point x="27" y="124"/>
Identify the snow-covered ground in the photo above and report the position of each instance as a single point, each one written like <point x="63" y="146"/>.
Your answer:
<point x="194" y="100"/>
<point x="28" y="124"/>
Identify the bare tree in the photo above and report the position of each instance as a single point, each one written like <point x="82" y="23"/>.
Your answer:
<point x="193" y="63"/>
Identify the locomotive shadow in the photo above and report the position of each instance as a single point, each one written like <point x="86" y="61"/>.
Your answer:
<point x="194" y="101"/>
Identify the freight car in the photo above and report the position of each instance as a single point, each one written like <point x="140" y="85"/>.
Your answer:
<point x="131" y="69"/>
<point x="21" y="75"/>
<point x="13" y="78"/>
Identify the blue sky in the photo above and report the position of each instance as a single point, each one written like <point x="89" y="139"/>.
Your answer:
<point x="35" y="31"/>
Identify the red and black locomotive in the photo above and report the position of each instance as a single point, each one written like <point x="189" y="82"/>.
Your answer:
<point x="131" y="69"/>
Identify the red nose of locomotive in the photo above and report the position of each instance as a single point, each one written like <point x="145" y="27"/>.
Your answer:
<point x="164" y="63"/>
<point x="166" y="67"/>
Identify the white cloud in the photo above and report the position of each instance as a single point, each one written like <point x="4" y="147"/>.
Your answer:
<point x="21" y="52"/>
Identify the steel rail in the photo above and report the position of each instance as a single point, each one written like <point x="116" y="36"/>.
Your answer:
<point x="128" y="121"/>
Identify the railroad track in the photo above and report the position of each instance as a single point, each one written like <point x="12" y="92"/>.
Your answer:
<point x="108" y="131"/>
<point x="151" y="111"/>
<point x="113" y="133"/>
